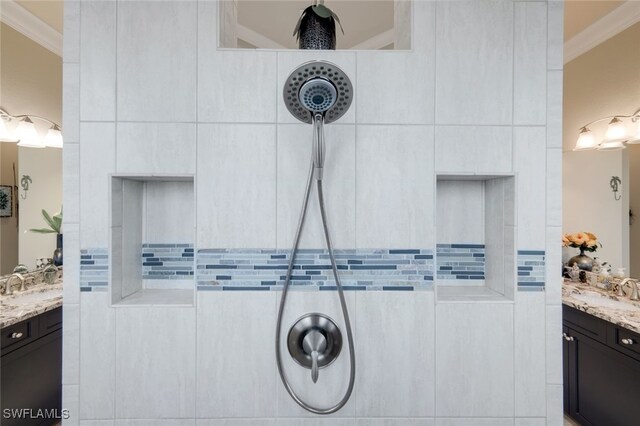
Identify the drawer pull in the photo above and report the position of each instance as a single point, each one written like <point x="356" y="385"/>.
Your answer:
<point x="627" y="341"/>
<point x="567" y="337"/>
<point x="16" y="335"/>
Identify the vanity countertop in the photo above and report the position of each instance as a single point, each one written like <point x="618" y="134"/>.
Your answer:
<point x="29" y="303"/>
<point x="602" y="304"/>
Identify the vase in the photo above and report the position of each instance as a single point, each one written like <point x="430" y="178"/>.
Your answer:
<point x="583" y="261"/>
<point x="317" y="32"/>
<point x="57" y="253"/>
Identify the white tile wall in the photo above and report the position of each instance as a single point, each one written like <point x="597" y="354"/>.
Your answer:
<point x="529" y="157"/>
<point x="474" y="36"/>
<point x="473" y="149"/>
<point x="294" y="154"/>
<point x="71" y="104"/>
<point x="97" y="161"/>
<point x="553" y="266"/>
<point x="156" y="70"/>
<point x="333" y="380"/>
<point x="530" y="365"/>
<point x="460" y="212"/>
<point x="395" y="354"/>
<point x="70" y="402"/>
<point x="236" y="367"/>
<point x="98" y="61"/>
<point x="394" y="186"/>
<point x="530" y="52"/>
<point x="97" y="357"/>
<point x="71" y="183"/>
<point x="71" y="242"/>
<point x="71" y="349"/>
<point x="465" y="365"/>
<point x="71" y="30"/>
<point x="237" y="198"/>
<point x="236" y="422"/>
<point x="156" y="148"/>
<point x="237" y="86"/>
<point x="553" y="327"/>
<point x="532" y="421"/>
<point x="155" y="353"/>
<point x="155" y="422"/>
<point x="169" y="212"/>
<point x="247" y="184"/>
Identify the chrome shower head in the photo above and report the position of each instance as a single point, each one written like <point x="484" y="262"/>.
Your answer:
<point x="318" y="87"/>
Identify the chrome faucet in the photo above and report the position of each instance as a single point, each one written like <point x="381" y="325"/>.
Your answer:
<point x="8" y="290"/>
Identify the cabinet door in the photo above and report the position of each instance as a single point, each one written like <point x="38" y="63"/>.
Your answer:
<point x="31" y="378"/>
<point x="604" y="385"/>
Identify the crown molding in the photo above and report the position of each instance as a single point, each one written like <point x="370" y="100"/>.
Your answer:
<point x="618" y="20"/>
<point x="23" y="21"/>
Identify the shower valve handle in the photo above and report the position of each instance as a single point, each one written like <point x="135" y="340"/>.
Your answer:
<point x="314" y="343"/>
<point x="314" y="366"/>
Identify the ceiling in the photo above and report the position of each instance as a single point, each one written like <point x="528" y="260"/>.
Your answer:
<point x="275" y="20"/>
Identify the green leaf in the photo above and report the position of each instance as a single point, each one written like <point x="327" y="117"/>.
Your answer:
<point x="322" y="11"/>
<point x="48" y="219"/>
<point x="338" y="21"/>
<point x="43" y="231"/>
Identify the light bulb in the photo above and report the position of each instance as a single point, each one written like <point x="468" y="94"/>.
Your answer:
<point x="53" y="139"/>
<point x="28" y="135"/>
<point x="6" y="135"/>
<point x="616" y="131"/>
<point x="585" y="141"/>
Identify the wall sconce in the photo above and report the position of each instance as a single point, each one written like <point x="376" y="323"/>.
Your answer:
<point x="25" y="133"/>
<point x="615" y="137"/>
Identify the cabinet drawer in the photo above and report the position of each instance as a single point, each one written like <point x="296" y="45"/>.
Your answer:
<point x="19" y="334"/>
<point x="50" y="321"/>
<point x="585" y="323"/>
<point x="625" y="341"/>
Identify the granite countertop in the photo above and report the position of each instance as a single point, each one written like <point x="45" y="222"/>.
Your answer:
<point x="602" y="304"/>
<point x="27" y="304"/>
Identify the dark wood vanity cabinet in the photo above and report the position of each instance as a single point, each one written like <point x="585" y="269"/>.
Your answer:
<point x="31" y="366"/>
<point x="601" y="371"/>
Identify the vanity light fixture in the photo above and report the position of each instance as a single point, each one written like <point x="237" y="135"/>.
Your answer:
<point x="616" y="136"/>
<point x="25" y="132"/>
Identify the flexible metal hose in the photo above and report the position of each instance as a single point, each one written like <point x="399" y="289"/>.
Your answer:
<point x="343" y="302"/>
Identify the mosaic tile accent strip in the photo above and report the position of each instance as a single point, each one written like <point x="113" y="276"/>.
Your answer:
<point x="167" y="261"/>
<point x="360" y="270"/>
<point x="94" y="269"/>
<point x="460" y="261"/>
<point x="531" y="270"/>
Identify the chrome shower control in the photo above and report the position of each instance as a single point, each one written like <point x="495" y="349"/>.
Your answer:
<point x="314" y="342"/>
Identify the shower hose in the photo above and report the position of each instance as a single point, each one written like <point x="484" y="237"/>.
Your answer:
<point x="315" y="173"/>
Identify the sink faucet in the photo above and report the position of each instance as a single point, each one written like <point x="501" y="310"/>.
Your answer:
<point x="634" y="289"/>
<point x="8" y="290"/>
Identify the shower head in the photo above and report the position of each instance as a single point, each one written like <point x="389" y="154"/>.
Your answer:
<point x="318" y="87"/>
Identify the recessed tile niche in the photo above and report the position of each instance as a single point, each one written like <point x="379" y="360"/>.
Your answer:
<point x="152" y="238"/>
<point x="475" y="251"/>
<point x="269" y="24"/>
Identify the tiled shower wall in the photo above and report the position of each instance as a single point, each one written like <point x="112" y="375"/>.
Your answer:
<point x="146" y="91"/>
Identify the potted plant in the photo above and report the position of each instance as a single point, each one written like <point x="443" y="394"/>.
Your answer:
<point x="316" y="28"/>
<point x="584" y="241"/>
<point x="55" y="227"/>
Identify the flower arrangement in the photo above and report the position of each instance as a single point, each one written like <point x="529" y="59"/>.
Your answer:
<point x="585" y="241"/>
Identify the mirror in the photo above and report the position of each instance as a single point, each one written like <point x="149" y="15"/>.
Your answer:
<point x="600" y="83"/>
<point x="31" y="178"/>
<point x="270" y="24"/>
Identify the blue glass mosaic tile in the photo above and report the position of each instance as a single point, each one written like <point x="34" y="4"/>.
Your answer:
<point x="531" y="270"/>
<point x="167" y="261"/>
<point x="359" y="269"/>
<point x="460" y="261"/>
<point x="94" y="270"/>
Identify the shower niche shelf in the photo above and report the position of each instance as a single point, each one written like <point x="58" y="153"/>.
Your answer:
<point x="475" y="238"/>
<point x="152" y="235"/>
